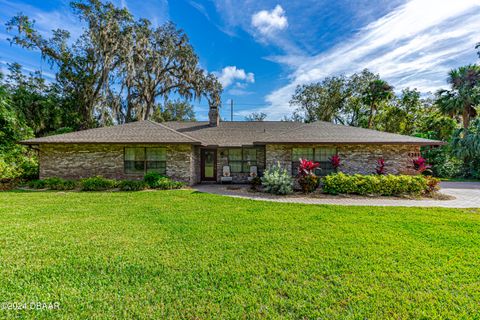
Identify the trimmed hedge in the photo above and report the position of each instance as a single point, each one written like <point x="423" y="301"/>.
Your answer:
<point x="97" y="184"/>
<point x="60" y="184"/>
<point x="384" y="185"/>
<point x="53" y="184"/>
<point x="157" y="181"/>
<point x="132" y="185"/>
<point x="37" y="184"/>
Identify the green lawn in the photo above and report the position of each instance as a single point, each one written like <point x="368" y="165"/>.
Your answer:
<point x="182" y="254"/>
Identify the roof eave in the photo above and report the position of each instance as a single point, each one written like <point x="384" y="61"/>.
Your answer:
<point x="432" y="143"/>
<point x="105" y="142"/>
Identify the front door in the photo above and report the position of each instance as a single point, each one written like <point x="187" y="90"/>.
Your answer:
<point x="208" y="162"/>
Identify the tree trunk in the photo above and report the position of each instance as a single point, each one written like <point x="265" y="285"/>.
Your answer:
<point x="466" y="117"/>
<point x="149" y="108"/>
<point x="370" y="118"/>
<point x="86" y="117"/>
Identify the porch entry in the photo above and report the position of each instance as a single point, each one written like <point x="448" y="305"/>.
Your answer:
<point x="208" y="163"/>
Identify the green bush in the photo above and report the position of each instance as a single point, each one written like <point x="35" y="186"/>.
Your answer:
<point x="152" y="178"/>
<point x="157" y="181"/>
<point x="97" y="184"/>
<point x="37" y="184"/>
<point x="132" y="185"/>
<point x="60" y="184"/>
<point x="308" y="183"/>
<point x="277" y="180"/>
<point x="444" y="164"/>
<point x="53" y="184"/>
<point x="18" y="164"/>
<point x="385" y="185"/>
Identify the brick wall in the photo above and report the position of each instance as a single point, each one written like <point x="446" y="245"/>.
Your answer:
<point x="75" y="161"/>
<point x="354" y="158"/>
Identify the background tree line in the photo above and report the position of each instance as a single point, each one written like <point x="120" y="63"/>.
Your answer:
<point x="363" y="99"/>
<point x="118" y="70"/>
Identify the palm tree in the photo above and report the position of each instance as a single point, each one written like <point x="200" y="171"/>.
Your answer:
<point x="378" y="91"/>
<point x="464" y="95"/>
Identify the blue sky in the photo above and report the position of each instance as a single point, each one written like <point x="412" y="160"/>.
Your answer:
<point x="261" y="50"/>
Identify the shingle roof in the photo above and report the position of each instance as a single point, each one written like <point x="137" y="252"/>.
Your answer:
<point x="232" y="134"/>
<point x="330" y="133"/>
<point x="133" y="132"/>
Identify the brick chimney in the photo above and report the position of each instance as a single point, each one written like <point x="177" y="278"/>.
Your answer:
<point x="213" y="117"/>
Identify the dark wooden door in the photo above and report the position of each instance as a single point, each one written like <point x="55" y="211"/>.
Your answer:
<point x="208" y="163"/>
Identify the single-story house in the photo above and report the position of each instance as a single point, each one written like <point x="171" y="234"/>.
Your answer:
<point x="194" y="152"/>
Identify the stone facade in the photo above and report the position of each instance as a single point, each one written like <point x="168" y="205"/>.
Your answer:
<point x="195" y="167"/>
<point x="363" y="158"/>
<point x="354" y="158"/>
<point x="75" y="161"/>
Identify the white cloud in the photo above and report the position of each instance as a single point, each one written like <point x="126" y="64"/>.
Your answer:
<point x="239" y="92"/>
<point x="268" y="22"/>
<point x="230" y="75"/>
<point x="414" y="45"/>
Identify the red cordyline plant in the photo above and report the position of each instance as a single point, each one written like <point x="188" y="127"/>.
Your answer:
<point x="380" y="166"/>
<point x="307" y="167"/>
<point x="420" y="164"/>
<point x="335" y="161"/>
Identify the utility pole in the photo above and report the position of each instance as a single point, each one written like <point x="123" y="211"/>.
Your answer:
<point x="231" y="109"/>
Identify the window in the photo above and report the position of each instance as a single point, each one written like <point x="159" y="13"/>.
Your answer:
<point x="320" y="155"/>
<point x="241" y="159"/>
<point x="302" y="153"/>
<point x="323" y="156"/>
<point x="144" y="160"/>
<point x="134" y="160"/>
<point x="156" y="160"/>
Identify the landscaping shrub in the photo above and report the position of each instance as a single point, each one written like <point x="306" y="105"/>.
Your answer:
<point x="59" y="184"/>
<point x="420" y="164"/>
<point x="97" y="184"/>
<point x="385" y="185"/>
<point x="307" y="179"/>
<point x="380" y="169"/>
<point x="152" y="178"/>
<point x="157" y="181"/>
<point x="255" y="183"/>
<point x="132" y="185"/>
<point x="444" y="164"/>
<point x="433" y="184"/>
<point x="53" y="183"/>
<point x="308" y="183"/>
<point x="37" y="184"/>
<point x="335" y="161"/>
<point x="277" y="180"/>
<point x="9" y="184"/>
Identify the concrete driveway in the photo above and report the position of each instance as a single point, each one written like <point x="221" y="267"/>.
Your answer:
<point x="467" y="195"/>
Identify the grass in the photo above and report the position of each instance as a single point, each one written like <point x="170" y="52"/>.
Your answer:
<point x="182" y="254"/>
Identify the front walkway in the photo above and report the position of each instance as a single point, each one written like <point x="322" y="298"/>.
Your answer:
<point x="467" y="195"/>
